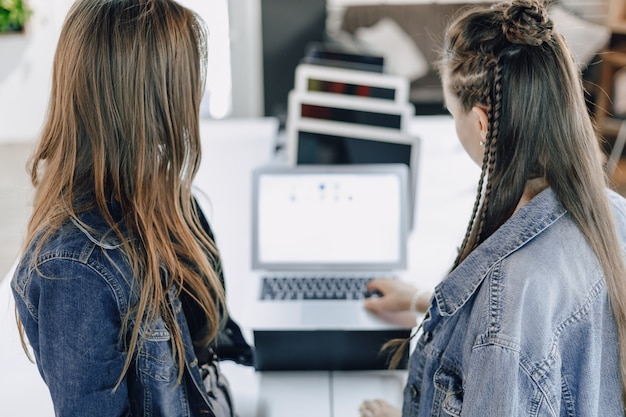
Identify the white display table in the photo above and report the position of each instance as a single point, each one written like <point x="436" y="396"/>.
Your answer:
<point x="231" y="150"/>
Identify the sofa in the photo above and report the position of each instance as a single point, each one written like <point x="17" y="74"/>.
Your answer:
<point x="416" y="30"/>
<point x="424" y="24"/>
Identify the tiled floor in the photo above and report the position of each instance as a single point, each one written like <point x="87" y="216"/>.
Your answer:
<point x="15" y="194"/>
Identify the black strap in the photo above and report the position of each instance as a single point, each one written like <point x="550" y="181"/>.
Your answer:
<point x="230" y="343"/>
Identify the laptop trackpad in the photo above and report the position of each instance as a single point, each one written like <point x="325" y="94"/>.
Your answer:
<point x="332" y="314"/>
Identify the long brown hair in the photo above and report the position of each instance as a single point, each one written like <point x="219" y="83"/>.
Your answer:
<point x="123" y="127"/>
<point x="509" y="59"/>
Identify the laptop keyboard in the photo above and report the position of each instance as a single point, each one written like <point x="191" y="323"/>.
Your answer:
<point x="315" y="288"/>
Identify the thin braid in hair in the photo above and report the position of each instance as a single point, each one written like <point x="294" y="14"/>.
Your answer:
<point x="494" y="107"/>
<point x="468" y="232"/>
<point x="470" y="240"/>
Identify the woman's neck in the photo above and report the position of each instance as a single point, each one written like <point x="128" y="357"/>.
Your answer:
<point x="533" y="187"/>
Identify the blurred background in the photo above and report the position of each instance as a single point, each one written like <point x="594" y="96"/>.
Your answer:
<point x="255" y="46"/>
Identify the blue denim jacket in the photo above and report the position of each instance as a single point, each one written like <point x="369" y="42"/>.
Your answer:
<point x="522" y="327"/>
<point x="72" y="306"/>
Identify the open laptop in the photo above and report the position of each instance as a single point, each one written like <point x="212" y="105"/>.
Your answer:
<point x="324" y="80"/>
<point x="350" y="111"/>
<point x="319" y="233"/>
<point x="323" y="143"/>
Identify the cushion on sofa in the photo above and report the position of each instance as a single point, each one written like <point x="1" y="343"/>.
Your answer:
<point x="425" y="23"/>
<point x="402" y="56"/>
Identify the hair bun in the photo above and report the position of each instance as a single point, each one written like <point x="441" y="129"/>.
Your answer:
<point x="526" y="22"/>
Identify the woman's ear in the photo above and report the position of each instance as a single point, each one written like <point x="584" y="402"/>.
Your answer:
<point x="482" y="121"/>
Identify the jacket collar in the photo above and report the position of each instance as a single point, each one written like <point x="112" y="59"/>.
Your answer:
<point x="97" y="230"/>
<point x="530" y="220"/>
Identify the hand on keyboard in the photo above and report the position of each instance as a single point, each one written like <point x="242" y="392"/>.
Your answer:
<point x="393" y="304"/>
<point x="394" y="295"/>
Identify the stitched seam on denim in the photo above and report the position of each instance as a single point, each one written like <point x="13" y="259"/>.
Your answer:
<point x="495" y="297"/>
<point x="86" y="252"/>
<point x="184" y="398"/>
<point x="55" y="254"/>
<point x="115" y="264"/>
<point x="509" y="344"/>
<point x="148" y="364"/>
<point x="536" y="400"/>
<point x="533" y="230"/>
<point x="121" y="301"/>
<point x="542" y="368"/>
<point x="497" y="339"/>
<point x="20" y="288"/>
<point x="147" y="398"/>
<point x="102" y="272"/>
<point x="568" y="399"/>
<point x="581" y="312"/>
<point x="446" y="368"/>
<point x="417" y="363"/>
<point x="538" y="372"/>
<point x="156" y="335"/>
<point x="197" y="381"/>
<point x="172" y="297"/>
<point x="536" y="378"/>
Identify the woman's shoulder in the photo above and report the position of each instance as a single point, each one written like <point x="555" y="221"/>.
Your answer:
<point x="75" y="236"/>
<point x="81" y="248"/>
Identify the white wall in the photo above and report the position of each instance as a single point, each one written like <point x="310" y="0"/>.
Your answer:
<point x="26" y="64"/>
<point x="246" y="57"/>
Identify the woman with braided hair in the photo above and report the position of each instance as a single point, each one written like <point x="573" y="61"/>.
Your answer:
<point x="531" y="320"/>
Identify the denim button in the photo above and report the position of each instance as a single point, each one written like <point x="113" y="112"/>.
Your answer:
<point x="413" y="391"/>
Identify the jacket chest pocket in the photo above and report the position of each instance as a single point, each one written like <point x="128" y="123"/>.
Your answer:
<point x="155" y="357"/>
<point x="448" y="396"/>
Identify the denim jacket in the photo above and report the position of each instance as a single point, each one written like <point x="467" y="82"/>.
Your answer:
<point x="522" y="327"/>
<point x="72" y="300"/>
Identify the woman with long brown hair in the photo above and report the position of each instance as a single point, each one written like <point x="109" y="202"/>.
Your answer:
<point x="531" y="320"/>
<point x="119" y="291"/>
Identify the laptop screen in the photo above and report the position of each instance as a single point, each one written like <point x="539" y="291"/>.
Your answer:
<point x="311" y="146"/>
<point x="346" y="216"/>
<point x="320" y="148"/>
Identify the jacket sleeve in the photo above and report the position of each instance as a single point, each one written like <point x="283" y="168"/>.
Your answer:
<point x="72" y="321"/>
<point x="498" y="384"/>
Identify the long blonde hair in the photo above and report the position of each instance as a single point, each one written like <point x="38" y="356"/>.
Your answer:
<point x="123" y="126"/>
